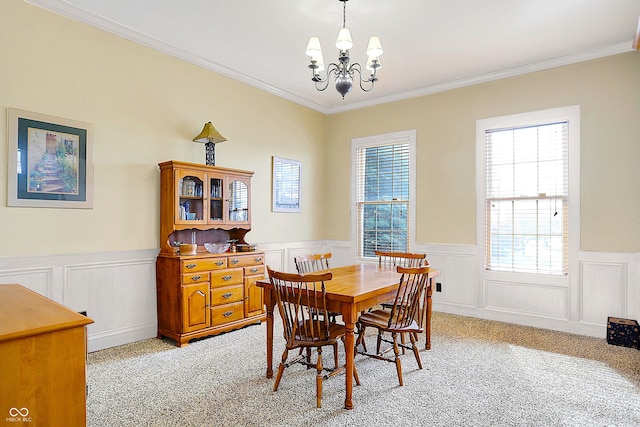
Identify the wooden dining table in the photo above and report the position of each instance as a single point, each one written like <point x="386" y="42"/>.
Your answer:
<point x="353" y="289"/>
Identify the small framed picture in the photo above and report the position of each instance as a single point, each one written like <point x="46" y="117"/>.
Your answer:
<point x="287" y="185"/>
<point x="50" y="161"/>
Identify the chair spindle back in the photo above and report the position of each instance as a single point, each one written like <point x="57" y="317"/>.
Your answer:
<point x="401" y="259"/>
<point x="309" y="263"/>
<point x="407" y="306"/>
<point x="294" y="294"/>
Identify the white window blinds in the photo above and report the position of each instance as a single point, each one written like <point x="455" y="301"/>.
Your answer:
<point x="382" y="198"/>
<point x="526" y="196"/>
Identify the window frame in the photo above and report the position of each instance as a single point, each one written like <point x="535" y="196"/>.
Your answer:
<point x="570" y="114"/>
<point x="409" y="137"/>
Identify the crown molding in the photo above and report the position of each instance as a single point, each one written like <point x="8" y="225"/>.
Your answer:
<point x="497" y="75"/>
<point x="75" y="13"/>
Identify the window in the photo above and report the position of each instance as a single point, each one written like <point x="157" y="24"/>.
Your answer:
<point x="383" y="197"/>
<point x="526" y="191"/>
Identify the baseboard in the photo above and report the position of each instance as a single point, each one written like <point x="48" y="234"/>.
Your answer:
<point x="122" y="336"/>
<point x="571" y="327"/>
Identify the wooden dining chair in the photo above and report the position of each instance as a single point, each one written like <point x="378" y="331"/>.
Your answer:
<point x="402" y="259"/>
<point x="404" y="317"/>
<point x="294" y="294"/>
<point x="311" y="263"/>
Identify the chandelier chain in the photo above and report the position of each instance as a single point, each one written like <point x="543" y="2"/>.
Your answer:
<point x="344" y="14"/>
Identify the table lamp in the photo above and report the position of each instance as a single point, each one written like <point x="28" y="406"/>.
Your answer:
<point x="210" y="137"/>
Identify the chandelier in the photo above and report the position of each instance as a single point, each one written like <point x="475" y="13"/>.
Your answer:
<point x="344" y="72"/>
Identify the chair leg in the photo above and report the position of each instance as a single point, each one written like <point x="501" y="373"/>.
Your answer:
<point x="361" y="330"/>
<point x="335" y="355"/>
<point x="355" y="374"/>
<point x="285" y="354"/>
<point x="355" y="371"/>
<point x="360" y="339"/>
<point x="303" y="349"/>
<point x="379" y="342"/>
<point x="396" y="350"/>
<point x="319" y="379"/>
<point x="402" y="340"/>
<point x="416" y="353"/>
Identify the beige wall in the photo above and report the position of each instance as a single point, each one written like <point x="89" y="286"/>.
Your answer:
<point x="608" y="91"/>
<point x="146" y="107"/>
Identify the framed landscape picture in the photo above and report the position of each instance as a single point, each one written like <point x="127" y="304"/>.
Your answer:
<point x="50" y="161"/>
<point x="287" y="185"/>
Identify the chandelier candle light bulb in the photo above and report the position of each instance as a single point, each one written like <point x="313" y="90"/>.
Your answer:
<point x="343" y="71"/>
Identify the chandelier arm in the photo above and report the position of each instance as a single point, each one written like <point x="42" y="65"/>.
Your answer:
<point x="356" y="68"/>
<point x="331" y="69"/>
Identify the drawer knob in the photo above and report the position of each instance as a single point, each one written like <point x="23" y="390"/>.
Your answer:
<point x="196" y="277"/>
<point x="227" y="313"/>
<point x="235" y="261"/>
<point x="191" y="265"/>
<point x="219" y="263"/>
<point x="259" y="259"/>
<point x="227" y="295"/>
<point x="254" y="269"/>
<point x="227" y="277"/>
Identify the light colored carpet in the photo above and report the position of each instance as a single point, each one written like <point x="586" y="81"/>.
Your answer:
<point x="478" y="373"/>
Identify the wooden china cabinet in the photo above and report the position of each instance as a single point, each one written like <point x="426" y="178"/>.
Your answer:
<point x="203" y="293"/>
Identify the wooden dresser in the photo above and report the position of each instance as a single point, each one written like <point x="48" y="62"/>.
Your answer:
<point x="43" y="353"/>
<point x="208" y="294"/>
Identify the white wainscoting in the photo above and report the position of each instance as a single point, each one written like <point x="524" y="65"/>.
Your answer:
<point x="608" y="285"/>
<point x="279" y="256"/>
<point x="117" y="290"/>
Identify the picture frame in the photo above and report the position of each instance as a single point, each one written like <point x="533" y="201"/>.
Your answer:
<point x="50" y="161"/>
<point x="287" y="185"/>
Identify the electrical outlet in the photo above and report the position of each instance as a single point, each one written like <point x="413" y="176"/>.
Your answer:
<point x="438" y="287"/>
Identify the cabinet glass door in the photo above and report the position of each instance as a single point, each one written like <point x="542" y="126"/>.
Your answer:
<point x="191" y="207"/>
<point x="216" y="198"/>
<point x="238" y="201"/>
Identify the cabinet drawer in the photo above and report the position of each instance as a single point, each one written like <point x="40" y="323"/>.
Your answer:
<point x="227" y="313"/>
<point x="245" y="260"/>
<point x="255" y="270"/>
<point x="226" y="295"/>
<point x="195" y="277"/>
<point x="231" y="276"/>
<point x="203" y="264"/>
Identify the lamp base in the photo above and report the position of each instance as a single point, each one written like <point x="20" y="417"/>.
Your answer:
<point x="210" y="148"/>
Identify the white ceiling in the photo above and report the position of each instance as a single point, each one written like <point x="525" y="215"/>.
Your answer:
<point x="429" y="45"/>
